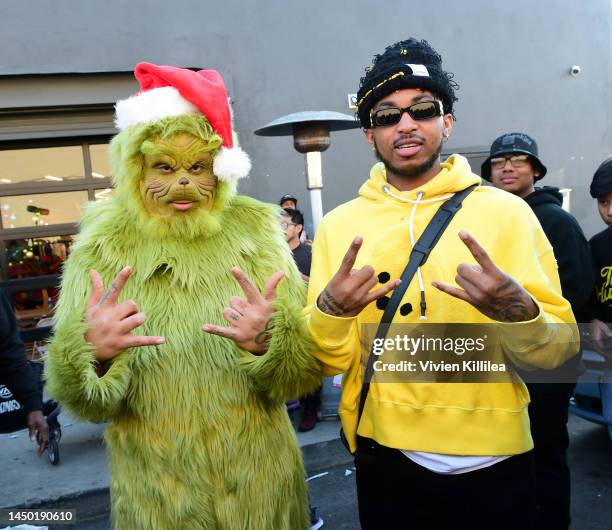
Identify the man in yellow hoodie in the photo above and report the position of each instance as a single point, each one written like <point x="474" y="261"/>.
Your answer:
<point x="434" y="454"/>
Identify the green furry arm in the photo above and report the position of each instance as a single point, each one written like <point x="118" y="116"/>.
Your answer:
<point x="70" y="366"/>
<point x="288" y="369"/>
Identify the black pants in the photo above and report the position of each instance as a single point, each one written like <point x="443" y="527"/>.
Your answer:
<point x="394" y="493"/>
<point x="312" y="401"/>
<point x="548" y="415"/>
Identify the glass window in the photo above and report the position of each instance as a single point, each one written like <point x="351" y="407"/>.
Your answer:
<point x="100" y="161"/>
<point x="29" y="258"/>
<point x="32" y="305"/>
<point x="37" y="256"/>
<point x="47" y="164"/>
<point x="103" y="194"/>
<point x="42" y="209"/>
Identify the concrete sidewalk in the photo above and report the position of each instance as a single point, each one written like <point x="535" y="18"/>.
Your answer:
<point x="81" y="480"/>
<point x="27" y="480"/>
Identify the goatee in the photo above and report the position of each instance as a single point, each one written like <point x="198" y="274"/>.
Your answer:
<point x="411" y="172"/>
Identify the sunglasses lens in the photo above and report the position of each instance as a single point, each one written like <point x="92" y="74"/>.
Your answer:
<point x="389" y="116"/>
<point x="424" y="110"/>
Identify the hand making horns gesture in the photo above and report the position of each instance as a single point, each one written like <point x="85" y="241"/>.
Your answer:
<point x="349" y="291"/>
<point x="489" y="289"/>
<point x="251" y="319"/>
<point x="111" y="323"/>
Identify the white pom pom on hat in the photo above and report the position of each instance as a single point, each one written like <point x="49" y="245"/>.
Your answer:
<point x="170" y="91"/>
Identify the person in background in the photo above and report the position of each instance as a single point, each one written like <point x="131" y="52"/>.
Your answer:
<point x="292" y="222"/>
<point x="17" y="375"/>
<point x="601" y="248"/>
<point x="513" y="165"/>
<point x="288" y="201"/>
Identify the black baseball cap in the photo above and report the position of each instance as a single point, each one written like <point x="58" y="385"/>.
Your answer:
<point x="287" y="197"/>
<point x="514" y="142"/>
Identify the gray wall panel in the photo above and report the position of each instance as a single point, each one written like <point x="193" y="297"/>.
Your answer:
<point x="511" y="60"/>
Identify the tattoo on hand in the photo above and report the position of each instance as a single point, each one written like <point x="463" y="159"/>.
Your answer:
<point x="113" y="287"/>
<point x="516" y="311"/>
<point x="509" y="283"/>
<point x="512" y="306"/>
<point x="264" y="336"/>
<point x="328" y="304"/>
<point x="234" y="316"/>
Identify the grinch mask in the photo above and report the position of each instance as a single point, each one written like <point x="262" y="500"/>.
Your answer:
<point x="178" y="177"/>
<point x="163" y="172"/>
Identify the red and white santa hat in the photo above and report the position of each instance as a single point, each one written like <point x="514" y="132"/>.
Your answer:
<point x="170" y="91"/>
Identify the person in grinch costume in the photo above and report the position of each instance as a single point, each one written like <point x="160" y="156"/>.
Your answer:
<point x="198" y="434"/>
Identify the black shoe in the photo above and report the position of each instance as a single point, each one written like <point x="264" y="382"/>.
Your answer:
<point x="315" y="521"/>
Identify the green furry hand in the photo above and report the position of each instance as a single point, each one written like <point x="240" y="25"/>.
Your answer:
<point x="111" y="323"/>
<point x="251" y="319"/>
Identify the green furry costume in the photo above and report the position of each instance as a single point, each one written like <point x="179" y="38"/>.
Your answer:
<point x="199" y="437"/>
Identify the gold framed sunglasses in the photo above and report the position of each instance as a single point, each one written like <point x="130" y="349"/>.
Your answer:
<point x="423" y="110"/>
<point x="516" y="161"/>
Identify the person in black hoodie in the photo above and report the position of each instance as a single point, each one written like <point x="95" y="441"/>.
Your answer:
<point x="17" y="375"/>
<point x="601" y="249"/>
<point x="513" y="165"/>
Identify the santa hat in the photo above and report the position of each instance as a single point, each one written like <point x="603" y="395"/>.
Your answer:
<point x="170" y="91"/>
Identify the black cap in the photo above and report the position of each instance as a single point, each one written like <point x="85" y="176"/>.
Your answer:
<point x="406" y="64"/>
<point x="287" y="197"/>
<point x="602" y="180"/>
<point x="515" y="142"/>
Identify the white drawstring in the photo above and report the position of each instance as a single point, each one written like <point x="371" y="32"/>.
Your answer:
<point x="415" y="203"/>
<point x="388" y="191"/>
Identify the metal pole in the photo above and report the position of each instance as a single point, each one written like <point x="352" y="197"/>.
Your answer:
<point x="314" y="182"/>
<point x="317" y="207"/>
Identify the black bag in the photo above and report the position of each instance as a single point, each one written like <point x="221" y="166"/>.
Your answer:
<point x="421" y="250"/>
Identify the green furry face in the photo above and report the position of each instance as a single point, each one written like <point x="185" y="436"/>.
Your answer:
<point x="146" y="193"/>
<point x="178" y="177"/>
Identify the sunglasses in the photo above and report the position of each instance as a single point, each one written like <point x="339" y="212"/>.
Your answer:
<point x="515" y="161"/>
<point x="423" y="110"/>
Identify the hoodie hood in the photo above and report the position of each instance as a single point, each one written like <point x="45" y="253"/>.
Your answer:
<point x="455" y="175"/>
<point x="545" y="195"/>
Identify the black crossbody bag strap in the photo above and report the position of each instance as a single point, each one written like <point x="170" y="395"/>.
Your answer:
<point x="418" y="256"/>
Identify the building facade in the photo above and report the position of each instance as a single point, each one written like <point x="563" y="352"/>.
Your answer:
<point x="64" y="63"/>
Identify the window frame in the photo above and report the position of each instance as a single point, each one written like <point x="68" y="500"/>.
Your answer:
<point x="88" y="183"/>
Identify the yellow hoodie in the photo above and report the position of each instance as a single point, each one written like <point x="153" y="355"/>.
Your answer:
<point x="460" y="418"/>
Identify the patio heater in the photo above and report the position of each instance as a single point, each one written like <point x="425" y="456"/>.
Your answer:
<point x="310" y="131"/>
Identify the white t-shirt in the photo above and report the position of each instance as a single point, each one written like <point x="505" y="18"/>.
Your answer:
<point x="452" y="464"/>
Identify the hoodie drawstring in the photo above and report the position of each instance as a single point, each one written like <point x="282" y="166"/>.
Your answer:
<point x="415" y="203"/>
